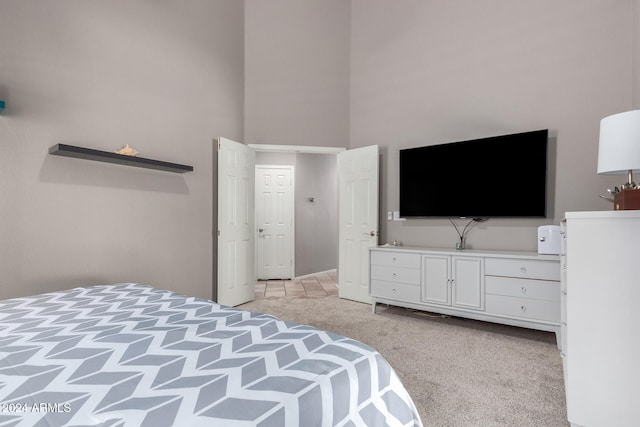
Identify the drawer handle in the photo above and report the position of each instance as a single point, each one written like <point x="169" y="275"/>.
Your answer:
<point x="523" y="269"/>
<point x="393" y="290"/>
<point x="393" y="259"/>
<point x="523" y="289"/>
<point x="394" y="275"/>
<point x="523" y="307"/>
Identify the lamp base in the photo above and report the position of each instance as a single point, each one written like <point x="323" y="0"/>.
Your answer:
<point x="626" y="200"/>
<point x="630" y="185"/>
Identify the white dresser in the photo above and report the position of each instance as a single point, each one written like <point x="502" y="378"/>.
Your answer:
<point x="513" y="288"/>
<point x="601" y="318"/>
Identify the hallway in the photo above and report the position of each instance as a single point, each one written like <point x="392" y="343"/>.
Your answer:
<point x="317" y="285"/>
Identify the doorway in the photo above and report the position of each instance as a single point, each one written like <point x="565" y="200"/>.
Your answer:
<point x="315" y="211"/>
<point x="235" y="242"/>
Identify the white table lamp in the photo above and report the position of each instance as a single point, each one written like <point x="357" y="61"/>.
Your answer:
<point x="619" y="149"/>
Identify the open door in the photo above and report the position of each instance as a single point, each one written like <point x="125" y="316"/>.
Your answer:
<point x="236" y="215"/>
<point x="358" y="220"/>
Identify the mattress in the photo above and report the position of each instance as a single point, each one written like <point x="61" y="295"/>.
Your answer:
<point x="133" y="355"/>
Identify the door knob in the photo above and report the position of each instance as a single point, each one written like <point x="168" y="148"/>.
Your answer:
<point x="371" y="233"/>
<point x="260" y="230"/>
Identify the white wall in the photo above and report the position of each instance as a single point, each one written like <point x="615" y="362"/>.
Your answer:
<point x="297" y="72"/>
<point x="165" y="77"/>
<point x="636" y="54"/>
<point x="428" y="72"/>
<point x="317" y="221"/>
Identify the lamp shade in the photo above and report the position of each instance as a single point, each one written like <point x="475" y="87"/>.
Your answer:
<point x="619" y="148"/>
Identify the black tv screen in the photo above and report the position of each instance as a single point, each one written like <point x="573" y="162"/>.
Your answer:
<point x="500" y="176"/>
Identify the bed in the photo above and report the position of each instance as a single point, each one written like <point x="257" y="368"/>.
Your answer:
<point x="133" y="355"/>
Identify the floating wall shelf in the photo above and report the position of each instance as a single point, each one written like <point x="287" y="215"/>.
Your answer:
<point x="120" y="159"/>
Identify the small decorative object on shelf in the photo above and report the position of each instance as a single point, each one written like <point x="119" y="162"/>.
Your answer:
<point x="2" y="104"/>
<point x="127" y="151"/>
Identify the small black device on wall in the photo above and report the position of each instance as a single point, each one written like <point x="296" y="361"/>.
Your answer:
<point x="500" y="176"/>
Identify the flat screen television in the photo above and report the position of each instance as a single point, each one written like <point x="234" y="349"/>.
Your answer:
<point x="500" y="176"/>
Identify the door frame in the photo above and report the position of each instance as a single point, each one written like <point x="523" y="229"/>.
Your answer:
<point x="305" y="149"/>
<point x="292" y="149"/>
<point x="293" y="214"/>
<point x="296" y="149"/>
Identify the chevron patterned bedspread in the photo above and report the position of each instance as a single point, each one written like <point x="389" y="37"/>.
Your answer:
<point x="133" y="355"/>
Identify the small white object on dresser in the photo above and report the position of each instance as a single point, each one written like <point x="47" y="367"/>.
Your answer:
<point x="512" y="288"/>
<point x="601" y="319"/>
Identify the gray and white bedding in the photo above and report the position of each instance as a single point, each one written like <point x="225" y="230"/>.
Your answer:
<point x="133" y="355"/>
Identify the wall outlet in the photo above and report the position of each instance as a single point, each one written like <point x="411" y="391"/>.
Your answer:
<point x="390" y="216"/>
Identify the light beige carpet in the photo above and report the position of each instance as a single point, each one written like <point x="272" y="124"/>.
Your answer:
<point x="459" y="372"/>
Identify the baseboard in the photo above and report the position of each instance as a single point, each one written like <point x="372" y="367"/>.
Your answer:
<point x="318" y="272"/>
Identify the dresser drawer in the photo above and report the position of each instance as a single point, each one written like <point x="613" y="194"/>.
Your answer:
<point x="395" y="259"/>
<point x="396" y="274"/>
<point x="523" y="288"/>
<point x="525" y="268"/>
<point x="522" y="307"/>
<point x="397" y="291"/>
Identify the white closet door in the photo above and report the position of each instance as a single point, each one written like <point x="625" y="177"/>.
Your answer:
<point x="274" y="222"/>
<point x="236" y="215"/>
<point x="358" y="220"/>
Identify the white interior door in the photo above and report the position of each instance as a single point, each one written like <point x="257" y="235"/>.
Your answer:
<point x="274" y="222"/>
<point x="358" y="220"/>
<point x="236" y="214"/>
